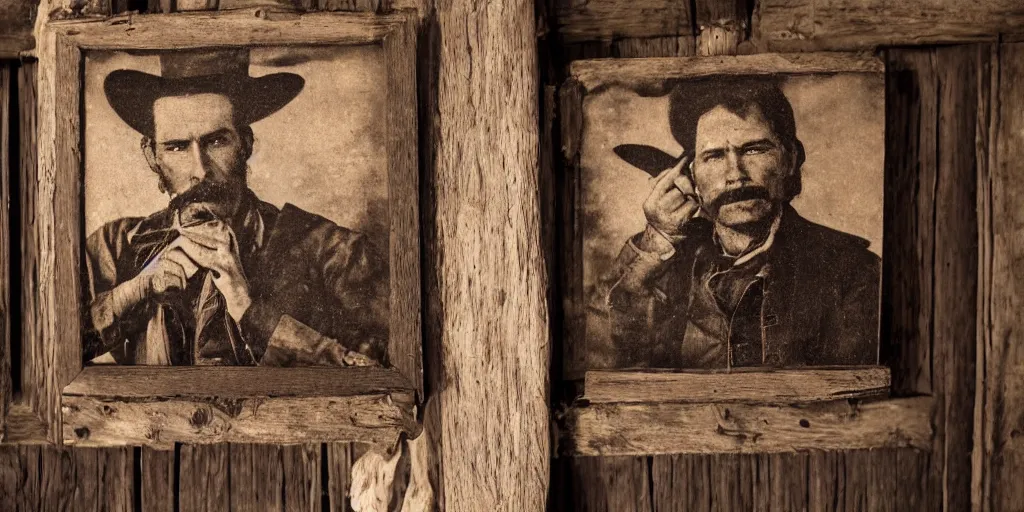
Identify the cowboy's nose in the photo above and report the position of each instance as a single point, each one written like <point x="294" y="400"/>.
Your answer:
<point x="198" y="162"/>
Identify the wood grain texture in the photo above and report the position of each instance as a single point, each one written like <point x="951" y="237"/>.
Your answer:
<point x="765" y="387"/>
<point x="234" y="382"/>
<point x="721" y="25"/>
<point x="611" y="484"/>
<point x="681" y="482"/>
<point x="300" y="465"/>
<point x="808" y="25"/>
<point x="31" y="350"/>
<point x="242" y="27"/>
<point x="405" y="336"/>
<point x="162" y="421"/>
<point x="257" y="477"/>
<point x="16" y="22"/>
<point x="56" y="346"/>
<point x="6" y="82"/>
<point x="203" y="478"/>
<point x="491" y="310"/>
<point x="1003" y="245"/>
<point x="956" y="270"/>
<point x="159" y="479"/>
<point x="635" y="429"/>
<point x="339" y="468"/>
<point x="601" y="72"/>
<point x="576" y="20"/>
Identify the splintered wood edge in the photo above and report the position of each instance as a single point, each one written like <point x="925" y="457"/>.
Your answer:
<point x="765" y="387"/>
<point x="594" y="73"/>
<point x="654" y="429"/>
<point x="233" y="382"/>
<point x="232" y="28"/>
<point x="161" y="422"/>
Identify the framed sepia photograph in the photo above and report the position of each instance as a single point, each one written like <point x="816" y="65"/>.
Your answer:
<point x="723" y="226"/>
<point x="236" y="197"/>
<point x="732" y="217"/>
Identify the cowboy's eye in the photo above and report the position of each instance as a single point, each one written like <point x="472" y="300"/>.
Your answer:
<point x="219" y="141"/>
<point x="175" y="146"/>
<point x="713" y="155"/>
<point x="756" y="149"/>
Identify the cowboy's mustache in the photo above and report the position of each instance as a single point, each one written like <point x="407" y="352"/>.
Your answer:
<point x="204" y="192"/>
<point x="740" y="194"/>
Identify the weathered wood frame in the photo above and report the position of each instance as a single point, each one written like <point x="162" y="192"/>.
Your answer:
<point x="159" y="406"/>
<point x="625" y="412"/>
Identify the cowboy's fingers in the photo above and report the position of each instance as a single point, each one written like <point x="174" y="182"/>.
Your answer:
<point x="179" y="257"/>
<point x="668" y="179"/>
<point x="207" y="240"/>
<point x="203" y="256"/>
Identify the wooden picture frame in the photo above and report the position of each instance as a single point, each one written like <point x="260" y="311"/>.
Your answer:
<point x="641" y="411"/>
<point x="160" y="406"/>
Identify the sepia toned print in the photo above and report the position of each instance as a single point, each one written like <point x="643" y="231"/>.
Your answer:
<point x="236" y="207"/>
<point x="734" y="221"/>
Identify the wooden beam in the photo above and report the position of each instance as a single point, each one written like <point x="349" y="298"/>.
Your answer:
<point x="605" y="20"/>
<point x="487" y="281"/>
<point x="764" y="387"/>
<point x="634" y="429"/>
<point x="162" y="421"/>
<point x="113" y="382"/>
<point x="803" y="25"/>
<point x="600" y="72"/>
<point x="6" y="390"/>
<point x="1002" y="300"/>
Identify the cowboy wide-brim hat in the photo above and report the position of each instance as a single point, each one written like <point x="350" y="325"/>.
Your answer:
<point x="132" y="93"/>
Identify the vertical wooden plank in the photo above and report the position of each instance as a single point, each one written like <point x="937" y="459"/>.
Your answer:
<point x="681" y="482"/>
<point x="85" y="495"/>
<point x="116" y="479"/>
<point x="339" y="468"/>
<point x="203" y="478"/>
<point x="789" y="481"/>
<point x="5" y="246"/>
<point x="301" y="470"/>
<point x="27" y="125"/>
<point x="911" y="484"/>
<point x="611" y="484"/>
<point x="732" y="478"/>
<point x="10" y="474"/>
<point x="882" y="480"/>
<point x="912" y="118"/>
<point x="956" y="271"/>
<point x="721" y="26"/>
<point x="257" y="477"/>
<point x="158" y="480"/>
<point x="57" y="479"/>
<point x="1003" y="236"/>
<point x="493" y="336"/>
<point x="826" y="481"/>
<point x="858" y="480"/>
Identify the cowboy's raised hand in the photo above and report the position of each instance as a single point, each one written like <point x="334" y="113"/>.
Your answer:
<point x="213" y="246"/>
<point x="671" y="203"/>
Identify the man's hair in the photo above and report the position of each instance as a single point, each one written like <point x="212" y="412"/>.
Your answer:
<point x="738" y="94"/>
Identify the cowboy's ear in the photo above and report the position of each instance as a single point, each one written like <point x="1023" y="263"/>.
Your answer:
<point x="148" y="151"/>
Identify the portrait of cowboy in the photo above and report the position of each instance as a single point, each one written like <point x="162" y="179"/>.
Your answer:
<point x="727" y="272"/>
<point x="217" y="276"/>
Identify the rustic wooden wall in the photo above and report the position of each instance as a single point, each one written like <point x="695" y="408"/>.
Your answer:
<point x="947" y="124"/>
<point x="954" y="243"/>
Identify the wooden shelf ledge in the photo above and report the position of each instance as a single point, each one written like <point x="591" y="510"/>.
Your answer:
<point x="159" y="406"/>
<point x="670" y="428"/>
<point x="757" y="386"/>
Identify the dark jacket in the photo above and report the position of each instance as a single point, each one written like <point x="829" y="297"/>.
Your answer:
<point x="819" y="303"/>
<point x="310" y="281"/>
